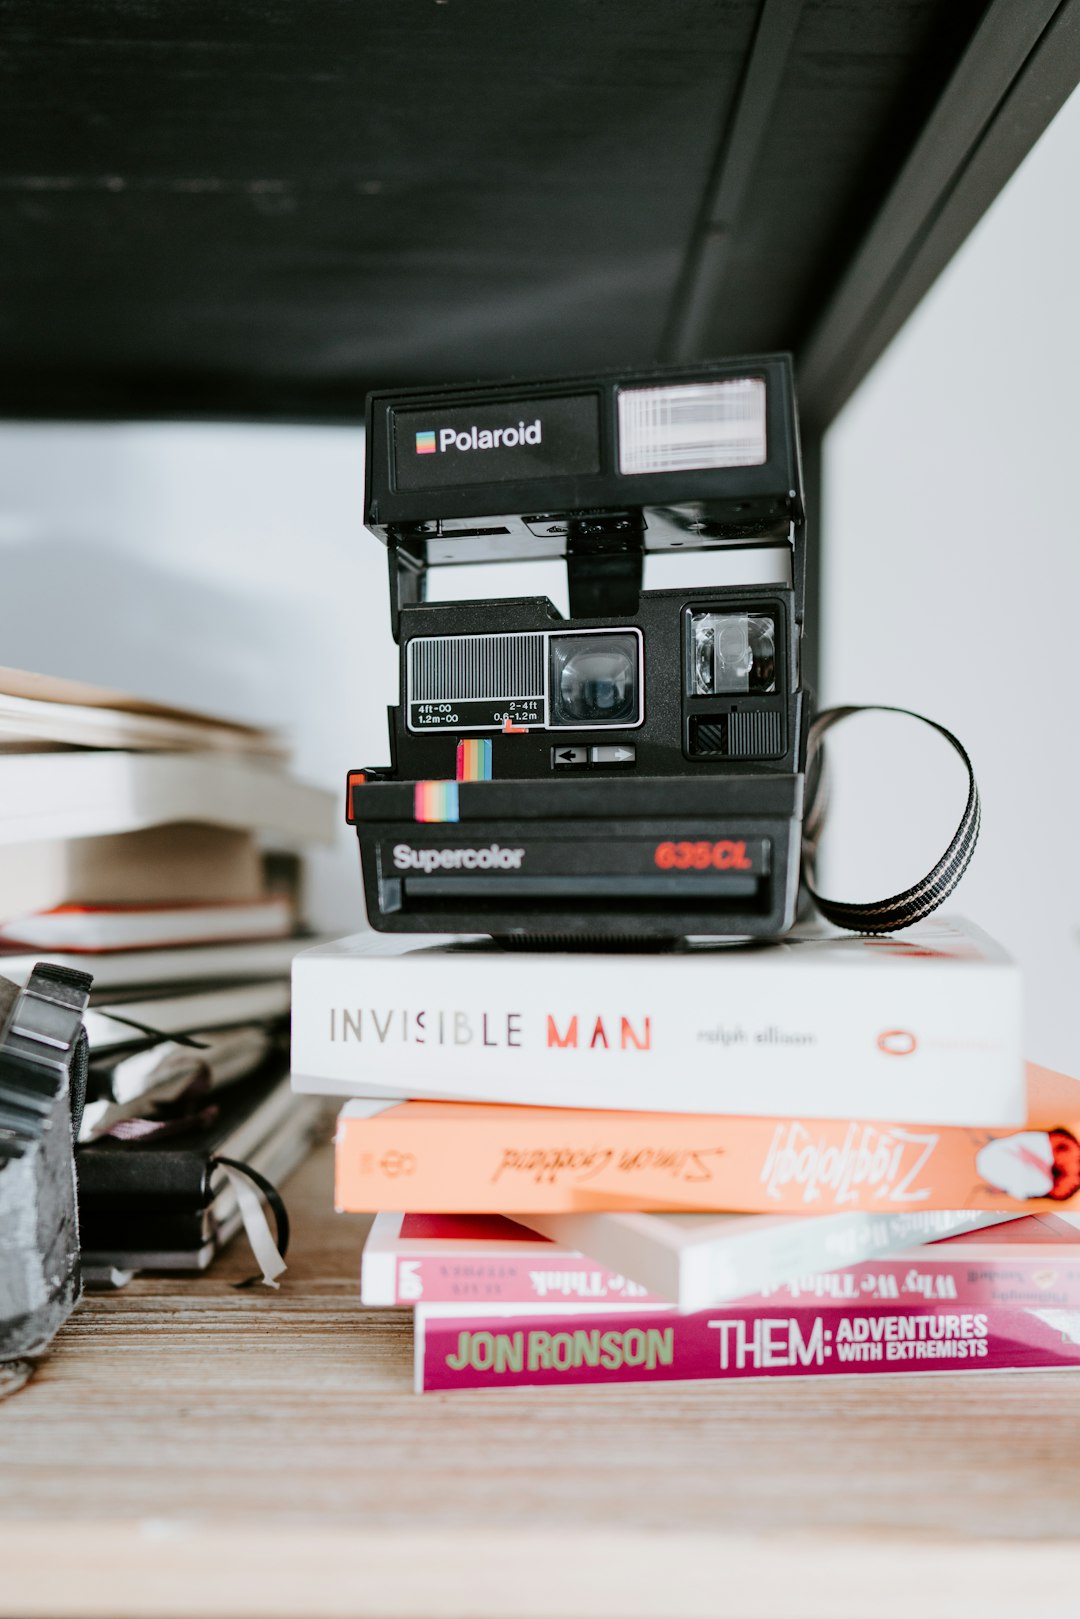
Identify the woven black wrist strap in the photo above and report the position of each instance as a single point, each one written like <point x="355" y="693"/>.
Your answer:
<point x="917" y="902"/>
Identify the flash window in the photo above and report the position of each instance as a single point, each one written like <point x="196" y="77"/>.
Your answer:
<point x="732" y="652"/>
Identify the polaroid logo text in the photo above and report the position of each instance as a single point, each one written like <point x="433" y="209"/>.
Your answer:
<point x="482" y="438"/>
<point x="493" y="858"/>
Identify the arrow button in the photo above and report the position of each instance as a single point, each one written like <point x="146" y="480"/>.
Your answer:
<point x="562" y="757"/>
<point x="613" y="753"/>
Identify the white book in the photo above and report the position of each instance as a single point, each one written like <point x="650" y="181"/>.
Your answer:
<point x="698" y="1260"/>
<point x="111" y="1027"/>
<point x="137" y="970"/>
<point x="921" y="1028"/>
<point x="36" y="709"/>
<point x="152" y="866"/>
<point x="106" y="928"/>
<point x="84" y="794"/>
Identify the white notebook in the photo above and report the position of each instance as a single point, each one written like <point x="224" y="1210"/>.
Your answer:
<point x="81" y="794"/>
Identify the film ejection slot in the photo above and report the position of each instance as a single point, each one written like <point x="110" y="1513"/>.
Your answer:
<point x="593" y="870"/>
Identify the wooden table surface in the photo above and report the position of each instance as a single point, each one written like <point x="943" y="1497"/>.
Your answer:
<point x="192" y="1450"/>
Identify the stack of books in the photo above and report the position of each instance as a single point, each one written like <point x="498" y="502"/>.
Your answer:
<point x="802" y="1159"/>
<point x="161" y="851"/>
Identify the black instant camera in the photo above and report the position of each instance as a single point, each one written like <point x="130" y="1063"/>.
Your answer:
<point x="634" y="771"/>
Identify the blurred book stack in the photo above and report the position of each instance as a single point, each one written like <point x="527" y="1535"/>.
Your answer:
<point x="716" y="1162"/>
<point x="160" y="850"/>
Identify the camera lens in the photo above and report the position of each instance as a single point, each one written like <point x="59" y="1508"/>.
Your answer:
<point x="594" y="680"/>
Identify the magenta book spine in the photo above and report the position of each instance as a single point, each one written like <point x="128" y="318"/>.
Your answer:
<point x="556" y="1277"/>
<point x="551" y="1275"/>
<point x="644" y="1346"/>
<point x="1009" y="1279"/>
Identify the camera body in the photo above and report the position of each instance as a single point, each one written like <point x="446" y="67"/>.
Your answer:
<point x="633" y="772"/>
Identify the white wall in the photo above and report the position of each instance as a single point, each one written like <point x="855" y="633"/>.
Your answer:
<point x="952" y="580"/>
<point x="227" y="567"/>
<point x="224" y="567"/>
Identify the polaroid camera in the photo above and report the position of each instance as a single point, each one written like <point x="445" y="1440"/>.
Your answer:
<point x="635" y="771"/>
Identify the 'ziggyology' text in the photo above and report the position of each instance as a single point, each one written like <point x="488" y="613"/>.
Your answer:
<point x="885" y="1162"/>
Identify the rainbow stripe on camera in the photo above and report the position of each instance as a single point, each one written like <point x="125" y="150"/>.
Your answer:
<point x="435" y="801"/>
<point x="474" y="759"/>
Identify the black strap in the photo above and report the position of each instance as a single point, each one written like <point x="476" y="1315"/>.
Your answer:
<point x="154" y="1037"/>
<point x="917" y="902"/>
<point x="271" y="1194"/>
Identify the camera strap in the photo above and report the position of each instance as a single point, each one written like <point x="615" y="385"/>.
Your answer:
<point x="917" y="902"/>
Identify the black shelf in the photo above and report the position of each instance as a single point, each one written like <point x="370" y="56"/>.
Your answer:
<point x="260" y="209"/>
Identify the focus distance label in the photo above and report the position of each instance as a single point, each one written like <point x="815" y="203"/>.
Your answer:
<point x="503" y="443"/>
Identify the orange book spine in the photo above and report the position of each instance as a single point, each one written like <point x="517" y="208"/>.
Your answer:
<point x="464" y="1157"/>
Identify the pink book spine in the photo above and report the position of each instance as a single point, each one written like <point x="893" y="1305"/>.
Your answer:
<point x="554" y="1277"/>
<point x="1005" y="1280"/>
<point x="647" y="1346"/>
<point x="551" y="1275"/>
